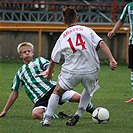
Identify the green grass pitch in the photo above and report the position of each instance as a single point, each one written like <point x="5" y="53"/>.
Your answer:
<point x="114" y="89"/>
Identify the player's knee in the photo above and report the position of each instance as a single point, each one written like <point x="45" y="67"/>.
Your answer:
<point x="59" y="91"/>
<point x="36" y="115"/>
<point x="75" y="97"/>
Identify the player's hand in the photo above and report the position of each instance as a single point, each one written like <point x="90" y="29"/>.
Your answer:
<point x="44" y="73"/>
<point x="48" y="77"/>
<point x="113" y="64"/>
<point x="110" y="34"/>
<point x="2" y="114"/>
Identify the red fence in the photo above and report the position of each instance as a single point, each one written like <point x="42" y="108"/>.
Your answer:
<point x="113" y="8"/>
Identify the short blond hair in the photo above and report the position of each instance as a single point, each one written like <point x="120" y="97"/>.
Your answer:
<point x="24" y="44"/>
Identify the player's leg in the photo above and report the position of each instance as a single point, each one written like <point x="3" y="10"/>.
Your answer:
<point x="90" y="108"/>
<point x="130" y="65"/>
<point x="131" y="77"/>
<point x="82" y="106"/>
<point x="52" y="104"/>
<point x="73" y="96"/>
<point x="37" y="112"/>
<point x="40" y="107"/>
<point x="40" y="112"/>
<point x="132" y="81"/>
<point x="61" y="85"/>
<point x="76" y="98"/>
<point x="90" y="84"/>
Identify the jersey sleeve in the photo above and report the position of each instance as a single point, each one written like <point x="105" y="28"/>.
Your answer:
<point x="95" y="38"/>
<point x="124" y="13"/>
<point x="44" y="63"/>
<point x="56" y="53"/>
<point x="17" y="84"/>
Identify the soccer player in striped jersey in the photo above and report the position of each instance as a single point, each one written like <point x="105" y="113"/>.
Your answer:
<point x="37" y="88"/>
<point x="78" y="45"/>
<point x="127" y="11"/>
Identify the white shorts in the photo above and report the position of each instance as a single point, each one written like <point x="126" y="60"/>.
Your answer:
<point x="68" y="81"/>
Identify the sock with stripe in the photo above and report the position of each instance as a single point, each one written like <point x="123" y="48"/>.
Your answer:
<point x="90" y="108"/>
<point x="132" y="80"/>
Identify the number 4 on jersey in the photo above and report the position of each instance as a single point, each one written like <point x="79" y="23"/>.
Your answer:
<point x="79" y="42"/>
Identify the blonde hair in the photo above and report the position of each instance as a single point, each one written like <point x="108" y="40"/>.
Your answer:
<point x="24" y="44"/>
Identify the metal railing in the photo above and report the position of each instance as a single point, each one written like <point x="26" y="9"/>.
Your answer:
<point x="51" y="12"/>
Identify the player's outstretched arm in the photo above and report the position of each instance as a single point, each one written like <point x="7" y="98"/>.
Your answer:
<point x="48" y="73"/>
<point x="50" y="70"/>
<point x="106" y="50"/>
<point x="13" y="96"/>
<point x="44" y="73"/>
<point x="117" y="26"/>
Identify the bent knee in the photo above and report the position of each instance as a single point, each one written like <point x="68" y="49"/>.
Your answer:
<point x="36" y="116"/>
<point x="75" y="98"/>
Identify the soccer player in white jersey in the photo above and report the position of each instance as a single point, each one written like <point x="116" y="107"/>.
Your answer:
<point x="37" y="88"/>
<point x="78" y="45"/>
<point x="127" y="12"/>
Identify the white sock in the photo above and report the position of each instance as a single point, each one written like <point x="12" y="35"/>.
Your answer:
<point x="84" y="100"/>
<point x="44" y="114"/>
<point x="52" y="104"/>
<point x="132" y="80"/>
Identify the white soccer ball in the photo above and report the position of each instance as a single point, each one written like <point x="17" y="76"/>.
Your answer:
<point x="100" y="115"/>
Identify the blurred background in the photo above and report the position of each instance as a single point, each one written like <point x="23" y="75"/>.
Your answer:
<point x="40" y="22"/>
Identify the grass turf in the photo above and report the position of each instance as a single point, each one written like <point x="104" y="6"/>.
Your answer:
<point x="114" y="89"/>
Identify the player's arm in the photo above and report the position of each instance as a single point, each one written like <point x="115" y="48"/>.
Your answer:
<point x="45" y="72"/>
<point x="50" y="70"/>
<point x="117" y="26"/>
<point x="13" y="96"/>
<point x="106" y="50"/>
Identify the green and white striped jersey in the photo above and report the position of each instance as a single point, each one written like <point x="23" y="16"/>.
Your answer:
<point x="128" y="11"/>
<point x="35" y="87"/>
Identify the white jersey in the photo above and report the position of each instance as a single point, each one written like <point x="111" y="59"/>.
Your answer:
<point x="78" y="46"/>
